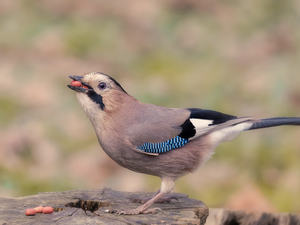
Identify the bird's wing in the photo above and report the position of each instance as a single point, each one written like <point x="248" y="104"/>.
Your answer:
<point x="156" y="124"/>
<point x="209" y="121"/>
<point x="170" y="129"/>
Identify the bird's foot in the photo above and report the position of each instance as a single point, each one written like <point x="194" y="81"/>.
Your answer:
<point x="161" y="200"/>
<point x="132" y="211"/>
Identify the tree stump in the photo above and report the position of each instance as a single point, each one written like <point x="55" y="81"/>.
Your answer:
<point x="239" y="217"/>
<point x="88" y="207"/>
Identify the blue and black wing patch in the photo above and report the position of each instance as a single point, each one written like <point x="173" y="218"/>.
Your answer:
<point x="163" y="147"/>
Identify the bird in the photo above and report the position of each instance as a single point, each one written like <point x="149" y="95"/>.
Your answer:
<point x="164" y="142"/>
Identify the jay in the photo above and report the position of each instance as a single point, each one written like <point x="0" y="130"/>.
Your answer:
<point x="163" y="142"/>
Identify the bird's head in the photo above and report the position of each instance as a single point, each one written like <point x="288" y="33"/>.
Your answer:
<point x="97" y="91"/>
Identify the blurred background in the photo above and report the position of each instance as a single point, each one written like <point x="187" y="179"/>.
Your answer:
<point x="237" y="57"/>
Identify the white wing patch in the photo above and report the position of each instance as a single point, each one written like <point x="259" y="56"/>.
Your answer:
<point x="201" y="126"/>
<point x="226" y="131"/>
<point x="198" y="123"/>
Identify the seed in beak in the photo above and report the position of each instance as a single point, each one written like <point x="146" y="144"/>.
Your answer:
<point x="76" y="83"/>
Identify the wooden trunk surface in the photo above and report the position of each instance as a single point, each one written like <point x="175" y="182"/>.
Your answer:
<point x="239" y="217"/>
<point x="87" y="207"/>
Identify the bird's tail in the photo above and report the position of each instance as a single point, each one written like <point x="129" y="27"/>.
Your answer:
<point x="276" y="121"/>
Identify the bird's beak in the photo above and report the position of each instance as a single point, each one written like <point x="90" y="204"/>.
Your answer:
<point x="79" y="87"/>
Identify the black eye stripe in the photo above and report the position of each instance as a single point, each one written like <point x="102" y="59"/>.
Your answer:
<point x="96" y="98"/>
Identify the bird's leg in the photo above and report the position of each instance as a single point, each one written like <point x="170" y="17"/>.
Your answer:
<point x="143" y="208"/>
<point x="167" y="186"/>
<point x="144" y="200"/>
<point x="161" y="200"/>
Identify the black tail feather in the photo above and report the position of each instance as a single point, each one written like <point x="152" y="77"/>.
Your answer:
<point x="276" y="121"/>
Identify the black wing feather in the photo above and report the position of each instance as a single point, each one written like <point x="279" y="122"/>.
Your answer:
<point x="188" y="130"/>
<point x="205" y="114"/>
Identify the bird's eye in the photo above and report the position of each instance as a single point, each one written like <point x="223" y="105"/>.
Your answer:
<point x="102" y="86"/>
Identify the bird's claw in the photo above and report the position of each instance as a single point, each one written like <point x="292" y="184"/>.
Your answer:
<point x="161" y="200"/>
<point x="132" y="211"/>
